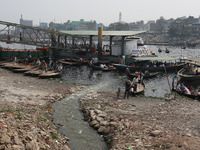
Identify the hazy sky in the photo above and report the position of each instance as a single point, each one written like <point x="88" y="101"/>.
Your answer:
<point x="103" y="11"/>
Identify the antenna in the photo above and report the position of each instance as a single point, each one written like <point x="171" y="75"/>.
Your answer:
<point x="120" y="17"/>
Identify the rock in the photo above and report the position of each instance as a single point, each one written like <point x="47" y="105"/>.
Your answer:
<point x="17" y="147"/>
<point x="97" y="126"/>
<point x="98" y="111"/>
<point x="102" y="129"/>
<point x="155" y="133"/>
<point x="65" y="147"/>
<point x="127" y="124"/>
<point x="104" y="123"/>
<point x="5" y="139"/>
<point x="93" y="123"/>
<point x="99" y="119"/>
<point x="32" y="145"/>
<point x="102" y="115"/>
<point x="92" y="113"/>
<point x="17" y="140"/>
<point x="113" y="124"/>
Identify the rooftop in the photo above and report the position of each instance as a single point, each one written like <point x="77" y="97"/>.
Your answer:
<point x="104" y="33"/>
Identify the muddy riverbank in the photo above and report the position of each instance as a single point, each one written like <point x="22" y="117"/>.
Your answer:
<point x="143" y="123"/>
<point x="135" y="123"/>
<point x="25" y="112"/>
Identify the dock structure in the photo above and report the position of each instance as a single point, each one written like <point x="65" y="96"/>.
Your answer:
<point x="91" y="34"/>
<point x="56" y="40"/>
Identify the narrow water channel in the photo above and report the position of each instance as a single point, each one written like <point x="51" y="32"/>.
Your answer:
<point x="81" y="135"/>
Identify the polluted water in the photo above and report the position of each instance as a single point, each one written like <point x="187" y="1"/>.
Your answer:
<point x="71" y="122"/>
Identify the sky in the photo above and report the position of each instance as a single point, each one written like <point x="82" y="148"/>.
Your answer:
<point x="102" y="11"/>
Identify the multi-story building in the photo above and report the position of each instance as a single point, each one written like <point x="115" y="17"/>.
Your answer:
<point x="26" y="22"/>
<point x="43" y="25"/>
<point x="84" y="25"/>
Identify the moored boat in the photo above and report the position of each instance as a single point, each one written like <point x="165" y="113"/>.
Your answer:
<point x="150" y="75"/>
<point x="147" y="63"/>
<point x="49" y="74"/>
<point x="109" y="69"/>
<point x="192" y="95"/>
<point x="69" y="62"/>
<point x="184" y="75"/>
<point x="140" y="88"/>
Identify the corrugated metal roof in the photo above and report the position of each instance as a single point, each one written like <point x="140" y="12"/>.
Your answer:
<point x="104" y="33"/>
<point x="155" y="58"/>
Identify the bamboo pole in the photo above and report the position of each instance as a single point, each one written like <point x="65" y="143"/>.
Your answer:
<point x="167" y="78"/>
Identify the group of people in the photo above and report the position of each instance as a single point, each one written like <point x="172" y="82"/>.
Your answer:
<point x="51" y="66"/>
<point x="132" y="84"/>
<point x="183" y="89"/>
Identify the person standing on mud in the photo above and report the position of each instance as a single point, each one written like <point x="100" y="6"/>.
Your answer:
<point x="127" y="89"/>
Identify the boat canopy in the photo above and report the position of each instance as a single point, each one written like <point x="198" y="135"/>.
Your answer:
<point x="155" y="58"/>
<point x="195" y="60"/>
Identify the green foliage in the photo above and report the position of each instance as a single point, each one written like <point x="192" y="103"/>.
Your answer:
<point x="19" y="116"/>
<point x="6" y="110"/>
<point x="108" y="143"/>
<point x="55" y="135"/>
<point x="39" y="119"/>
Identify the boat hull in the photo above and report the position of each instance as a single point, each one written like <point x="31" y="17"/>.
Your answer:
<point x="121" y="67"/>
<point x="188" y="77"/>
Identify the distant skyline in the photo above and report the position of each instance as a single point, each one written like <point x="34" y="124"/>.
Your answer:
<point x="102" y="11"/>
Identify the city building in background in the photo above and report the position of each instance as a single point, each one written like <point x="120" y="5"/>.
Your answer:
<point x="26" y="22"/>
<point x="43" y="25"/>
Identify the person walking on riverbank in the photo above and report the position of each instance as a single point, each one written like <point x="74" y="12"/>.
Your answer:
<point x="127" y="89"/>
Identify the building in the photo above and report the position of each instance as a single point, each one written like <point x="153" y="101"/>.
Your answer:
<point x="43" y="25"/>
<point x="99" y="25"/>
<point x="26" y="22"/>
<point x="57" y="26"/>
<point x="84" y="25"/>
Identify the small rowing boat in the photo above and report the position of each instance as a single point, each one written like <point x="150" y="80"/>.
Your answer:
<point x="139" y="88"/>
<point x="49" y="74"/>
<point x="150" y="75"/>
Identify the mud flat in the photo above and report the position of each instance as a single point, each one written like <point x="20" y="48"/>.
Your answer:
<point x="25" y="112"/>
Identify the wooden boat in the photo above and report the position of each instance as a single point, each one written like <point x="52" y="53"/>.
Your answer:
<point x="185" y="76"/>
<point x="21" y="69"/>
<point x="67" y="62"/>
<point x="49" y="74"/>
<point x="166" y="50"/>
<point x="150" y="75"/>
<point x="30" y="72"/>
<point x="109" y="69"/>
<point x="147" y="63"/>
<point x="13" y="65"/>
<point x="192" y="95"/>
<point x="121" y="67"/>
<point x="139" y="90"/>
<point x="34" y="72"/>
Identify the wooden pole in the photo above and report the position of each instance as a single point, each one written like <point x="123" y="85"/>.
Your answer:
<point x="99" y="43"/>
<point x="167" y="79"/>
